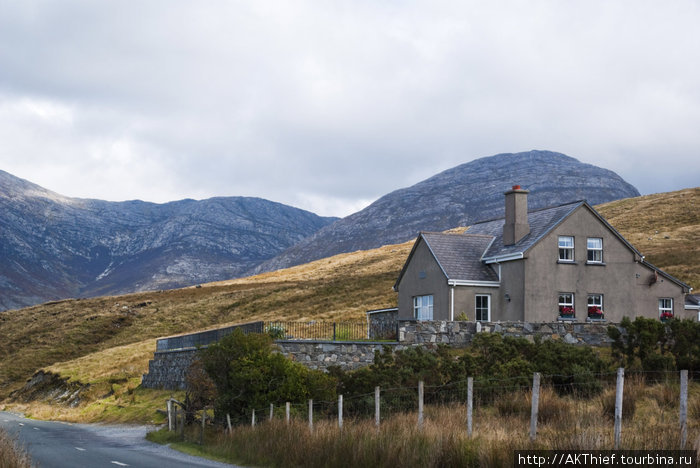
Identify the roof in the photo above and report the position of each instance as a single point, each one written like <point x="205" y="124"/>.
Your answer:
<point x="540" y="221"/>
<point x="458" y="255"/>
<point x="692" y="301"/>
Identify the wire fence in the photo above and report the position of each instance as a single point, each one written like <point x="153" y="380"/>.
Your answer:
<point x="506" y="397"/>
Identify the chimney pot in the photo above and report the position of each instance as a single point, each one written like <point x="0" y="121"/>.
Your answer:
<point x="516" y="187"/>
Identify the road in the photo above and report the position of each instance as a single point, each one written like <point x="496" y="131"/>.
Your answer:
<point x="63" y="445"/>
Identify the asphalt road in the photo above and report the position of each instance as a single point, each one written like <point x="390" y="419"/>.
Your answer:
<point x="59" y="445"/>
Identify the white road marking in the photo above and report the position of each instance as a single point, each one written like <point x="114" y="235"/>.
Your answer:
<point x="21" y="424"/>
<point x="119" y="463"/>
<point x="36" y="428"/>
<point x="80" y="449"/>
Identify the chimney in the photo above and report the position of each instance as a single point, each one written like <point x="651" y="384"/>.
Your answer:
<point x="516" y="226"/>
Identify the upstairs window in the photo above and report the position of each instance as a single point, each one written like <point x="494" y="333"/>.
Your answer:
<point x="595" y="250"/>
<point x="483" y="307"/>
<point x="423" y="307"/>
<point x="665" y="308"/>
<point x="566" y="305"/>
<point x="566" y="248"/>
<point x="595" y="306"/>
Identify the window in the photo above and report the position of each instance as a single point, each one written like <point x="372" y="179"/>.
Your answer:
<point x="566" y="248"/>
<point x="595" y="306"/>
<point x="423" y="307"/>
<point x="483" y="307"/>
<point x="665" y="308"/>
<point x="595" y="250"/>
<point x="566" y="305"/>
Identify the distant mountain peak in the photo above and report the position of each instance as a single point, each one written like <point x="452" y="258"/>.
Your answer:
<point x="459" y="196"/>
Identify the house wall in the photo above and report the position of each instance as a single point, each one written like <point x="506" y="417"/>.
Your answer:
<point x="512" y="284"/>
<point x="423" y="276"/>
<point x="465" y="301"/>
<point x="623" y="281"/>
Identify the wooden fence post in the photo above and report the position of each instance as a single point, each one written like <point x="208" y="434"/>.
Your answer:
<point x="340" y="411"/>
<point x="535" y="405"/>
<point x="170" y="414"/>
<point x="252" y="420"/>
<point x="684" y="408"/>
<point x="470" y="399"/>
<point x="376" y="407"/>
<point x="420" y="404"/>
<point x="204" y="421"/>
<point x="618" y="405"/>
<point x="311" y="415"/>
<point x="286" y="412"/>
<point x="272" y="411"/>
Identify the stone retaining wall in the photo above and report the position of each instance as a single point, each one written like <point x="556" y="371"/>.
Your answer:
<point x="168" y="368"/>
<point x="460" y="334"/>
<point x="322" y="354"/>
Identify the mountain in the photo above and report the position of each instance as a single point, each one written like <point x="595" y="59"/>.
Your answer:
<point x="54" y="247"/>
<point x="459" y="196"/>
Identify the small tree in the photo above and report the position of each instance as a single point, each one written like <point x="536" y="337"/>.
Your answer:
<point x="248" y="373"/>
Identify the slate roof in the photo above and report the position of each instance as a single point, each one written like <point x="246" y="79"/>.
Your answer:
<point x="459" y="255"/>
<point x="692" y="300"/>
<point x="541" y="222"/>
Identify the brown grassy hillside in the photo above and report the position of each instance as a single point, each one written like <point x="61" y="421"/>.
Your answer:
<point x="665" y="227"/>
<point x="337" y="288"/>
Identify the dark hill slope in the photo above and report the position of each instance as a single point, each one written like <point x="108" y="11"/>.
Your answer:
<point x="458" y="197"/>
<point x="54" y="247"/>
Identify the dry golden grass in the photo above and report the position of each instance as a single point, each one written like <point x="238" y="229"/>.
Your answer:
<point x="665" y="227"/>
<point x="11" y="456"/>
<point x="565" y="423"/>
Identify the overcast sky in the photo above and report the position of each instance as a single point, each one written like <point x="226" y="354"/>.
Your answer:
<point x="329" y="105"/>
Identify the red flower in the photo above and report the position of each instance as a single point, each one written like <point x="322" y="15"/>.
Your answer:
<point x="566" y="311"/>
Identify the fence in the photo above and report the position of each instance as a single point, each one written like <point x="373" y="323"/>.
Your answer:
<point x="667" y="394"/>
<point x="328" y="331"/>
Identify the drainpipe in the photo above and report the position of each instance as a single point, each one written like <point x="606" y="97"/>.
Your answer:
<point x="452" y="303"/>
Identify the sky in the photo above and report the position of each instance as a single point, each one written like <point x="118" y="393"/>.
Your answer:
<point x="329" y="105"/>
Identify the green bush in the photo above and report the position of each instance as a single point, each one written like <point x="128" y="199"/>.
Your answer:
<point x="248" y="374"/>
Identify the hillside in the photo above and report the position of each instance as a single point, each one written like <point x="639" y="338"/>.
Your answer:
<point x="459" y="196"/>
<point x="70" y="334"/>
<point x="55" y="247"/>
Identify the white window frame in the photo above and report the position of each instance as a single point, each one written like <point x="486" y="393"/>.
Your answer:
<point x="564" y="303"/>
<point x="597" y="301"/>
<point x="564" y="248"/>
<point x="423" y="307"/>
<point x="665" y="305"/>
<point x="478" y="309"/>
<point x="596" y="251"/>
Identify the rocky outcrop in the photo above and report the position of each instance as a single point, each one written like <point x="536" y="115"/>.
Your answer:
<point x="459" y="197"/>
<point x="50" y="388"/>
<point x="54" y="247"/>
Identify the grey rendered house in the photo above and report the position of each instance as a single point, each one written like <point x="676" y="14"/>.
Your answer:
<point x="559" y="263"/>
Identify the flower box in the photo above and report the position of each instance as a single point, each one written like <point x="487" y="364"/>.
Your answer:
<point x="666" y="316"/>
<point x="595" y="313"/>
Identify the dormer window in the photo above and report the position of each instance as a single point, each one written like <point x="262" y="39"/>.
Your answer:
<point x="566" y="248"/>
<point x="595" y="250"/>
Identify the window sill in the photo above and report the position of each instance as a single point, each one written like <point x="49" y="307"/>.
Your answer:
<point x="566" y="262"/>
<point x="566" y="319"/>
<point x="596" y="263"/>
<point x="597" y="320"/>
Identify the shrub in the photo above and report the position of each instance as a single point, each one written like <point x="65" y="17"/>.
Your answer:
<point x="248" y="374"/>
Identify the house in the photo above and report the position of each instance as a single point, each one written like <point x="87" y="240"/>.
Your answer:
<point x="562" y="263"/>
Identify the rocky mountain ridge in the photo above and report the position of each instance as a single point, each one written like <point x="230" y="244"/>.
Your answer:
<point x="459" y="196"/>
<point x="54" y="247"/>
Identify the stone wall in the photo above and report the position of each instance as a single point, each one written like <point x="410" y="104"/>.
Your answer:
<point x="322" y="354"/>
<point x="167" y="369"/>
<point x="460" y="334"/>
<point x="381" y="324"/>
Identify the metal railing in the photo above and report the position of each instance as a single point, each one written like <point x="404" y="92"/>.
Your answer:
<point x="314" y="330"/>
